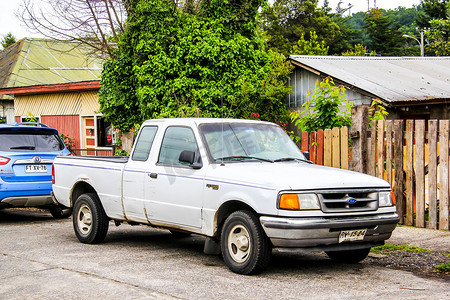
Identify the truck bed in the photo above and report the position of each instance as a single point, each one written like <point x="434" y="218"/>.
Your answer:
<point x="113" y="159"/>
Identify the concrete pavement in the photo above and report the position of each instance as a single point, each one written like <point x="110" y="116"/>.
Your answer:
<point x="434" y="240"/>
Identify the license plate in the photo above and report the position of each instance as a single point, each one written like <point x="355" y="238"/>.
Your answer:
<point x="352" y="235"/>
<point x="36" y="169"/>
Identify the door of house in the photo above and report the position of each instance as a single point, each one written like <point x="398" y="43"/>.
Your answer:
<point x="88" y="135"/>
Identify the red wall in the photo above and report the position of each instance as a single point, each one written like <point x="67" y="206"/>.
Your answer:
<point x="67" y="125"/>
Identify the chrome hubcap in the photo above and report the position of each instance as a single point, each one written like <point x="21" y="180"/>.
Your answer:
<point x="84" y="219"/>
<point x="239" y="244"/>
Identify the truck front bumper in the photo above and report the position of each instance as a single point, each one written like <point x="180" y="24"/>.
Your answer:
<point x="323" y="233"/>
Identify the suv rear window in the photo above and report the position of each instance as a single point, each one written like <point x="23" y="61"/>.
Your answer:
<point x="30" y="140"/>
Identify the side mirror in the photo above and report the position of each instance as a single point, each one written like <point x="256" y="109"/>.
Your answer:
<point x="188" y="156"/>
<point x="306" y="154"/>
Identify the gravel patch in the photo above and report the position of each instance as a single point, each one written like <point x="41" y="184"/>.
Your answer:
<point x="419" y="263"/>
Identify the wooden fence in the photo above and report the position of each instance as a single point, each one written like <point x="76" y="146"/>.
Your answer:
<point x="415" y="161"/>
<point x="412" y="155"/>
<point x="329" y="147"/>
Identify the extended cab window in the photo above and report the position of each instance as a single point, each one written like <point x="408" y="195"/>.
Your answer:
<point x="176" y="140"/>
<point x="144" y="143"/>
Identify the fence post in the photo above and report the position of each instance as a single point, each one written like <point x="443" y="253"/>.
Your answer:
<point x="444" y="127"/>
<point x="398" y="164"/>
<point x="432" y="173"/>
<point x="358" y="134"/>
<point x="409" y="170"/>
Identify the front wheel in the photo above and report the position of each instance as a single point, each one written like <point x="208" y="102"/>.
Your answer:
<point x="245" y="247"/>
<point x="349" y="256"/>
<point x="89" y="219"/>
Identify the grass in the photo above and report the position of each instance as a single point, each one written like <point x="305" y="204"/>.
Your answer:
<point x="392" y="247"/>
<point x="444" y="267"/>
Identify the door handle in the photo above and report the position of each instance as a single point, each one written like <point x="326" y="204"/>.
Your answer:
<point x="153" y="175"/>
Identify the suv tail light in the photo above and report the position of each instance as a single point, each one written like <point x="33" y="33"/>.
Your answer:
<point x="53" y="174"/>
<point x="4" y="160"/>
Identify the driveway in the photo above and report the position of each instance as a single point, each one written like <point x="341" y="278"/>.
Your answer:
<point x="40" y="257"/>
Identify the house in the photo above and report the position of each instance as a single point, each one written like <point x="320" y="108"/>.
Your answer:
<point x="56" y="82"/>
<point x="409" y="87"/>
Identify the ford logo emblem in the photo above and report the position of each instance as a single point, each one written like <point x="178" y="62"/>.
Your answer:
<point x="351" y="201"/>
<point x="36" y="159"/>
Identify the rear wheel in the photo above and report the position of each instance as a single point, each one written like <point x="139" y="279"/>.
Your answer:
<point x="89" y="219"/>
<point x="245" y="247"/>
<point x="349" y="256"/>
<point x="60" y="212"/>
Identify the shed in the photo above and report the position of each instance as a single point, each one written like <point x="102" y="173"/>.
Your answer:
<point x="57" y="82"/>
<point x="410" y="87"/>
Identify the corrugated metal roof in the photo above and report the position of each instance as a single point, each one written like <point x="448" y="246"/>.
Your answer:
<point x="8" y="59"/>
<point x="37" y="61"/>
<point x="394" y="79"/>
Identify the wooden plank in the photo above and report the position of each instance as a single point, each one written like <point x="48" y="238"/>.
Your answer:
<point x="443" y="174"/>
<point x="372" y="149"/>
<point x="380" y="149"/>
<point x="409" y="173"/>
<point x="432" y="173"/>
<point x="312" y="146"/>
<point x="327" y="148"/>
<point x="305" y="141"/>
<point x="344" y="147"/>
<point x="398" y="163"/>
<point x="358" y="134"/>
<point x="335" y="152"/>
<point x="319" y="159"/>
<point x="389" y="151"/>
<point x="420" y="173"/>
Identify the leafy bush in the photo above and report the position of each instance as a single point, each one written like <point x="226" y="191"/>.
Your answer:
<point x="322" y="111"/>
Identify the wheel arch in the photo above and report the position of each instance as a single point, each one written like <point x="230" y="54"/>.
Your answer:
<point x="227" y="209"/>
<point x="80" y="188"/>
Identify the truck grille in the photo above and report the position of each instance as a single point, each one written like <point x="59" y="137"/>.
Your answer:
<point x="348" y="201"/>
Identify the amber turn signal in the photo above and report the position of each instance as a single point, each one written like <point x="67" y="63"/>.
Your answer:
<point x="289" y="201"/>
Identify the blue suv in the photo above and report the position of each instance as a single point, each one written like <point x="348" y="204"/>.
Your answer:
<point x="27" y="151"/>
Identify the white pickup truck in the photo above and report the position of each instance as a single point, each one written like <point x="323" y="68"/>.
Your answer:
<point x="242" y="184"/>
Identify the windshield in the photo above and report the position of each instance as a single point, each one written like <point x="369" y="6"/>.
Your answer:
<point x="249" y="141"/>
<point x="22" y="140"/>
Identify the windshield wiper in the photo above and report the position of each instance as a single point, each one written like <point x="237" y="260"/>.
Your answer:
<point x="290" y="159"/>
<point x="243" y="157"/>
<point x="23" y="148"/>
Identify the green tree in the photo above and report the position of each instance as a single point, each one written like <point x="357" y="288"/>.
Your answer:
<point x="311" y="47"/>
<point x="286" y="21"/>
<point x="182" y="60"/>
<point x="431" y="9"/>
<point x="8" y="40"/>
<point x="359" y="50"/>
<point x="438" y="37"/>
<point x="385" y="36"/>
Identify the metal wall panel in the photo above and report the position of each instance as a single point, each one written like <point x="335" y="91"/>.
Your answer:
<point x="57" y="104"/>
<point x="303" y="81"/>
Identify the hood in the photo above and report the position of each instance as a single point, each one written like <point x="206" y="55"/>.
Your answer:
<point x="294" y="176"/>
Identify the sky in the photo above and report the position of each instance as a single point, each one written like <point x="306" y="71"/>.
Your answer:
<point x="10" y="23"/>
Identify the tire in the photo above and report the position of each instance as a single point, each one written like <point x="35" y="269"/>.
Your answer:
<point x="60" y="212"/>
<point x="245" y="248"/>
<point x="89" y="219"/>
<point x="349" y="256"/>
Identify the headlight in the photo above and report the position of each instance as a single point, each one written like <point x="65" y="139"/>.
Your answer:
<point x="386" y="199"/>
<point x="299" y="201"/>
